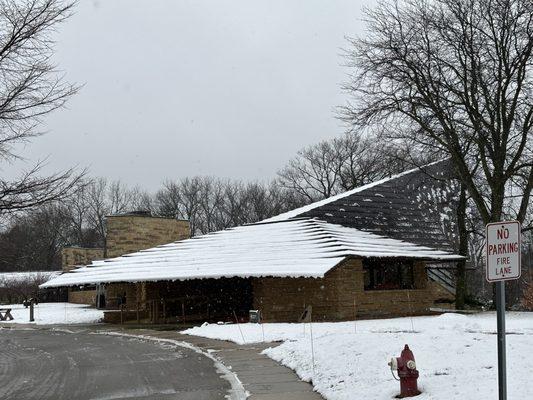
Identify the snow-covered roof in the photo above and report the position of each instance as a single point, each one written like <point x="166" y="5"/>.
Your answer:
<point x="302" y="210"/>
<point x="293" y="248"/>
<point x="408" y="206"/>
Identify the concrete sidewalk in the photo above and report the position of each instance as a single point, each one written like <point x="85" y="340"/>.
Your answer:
<point x="261" y="376"/>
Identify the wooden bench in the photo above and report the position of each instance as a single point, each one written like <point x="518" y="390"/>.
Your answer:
<point x="5" y="314"/>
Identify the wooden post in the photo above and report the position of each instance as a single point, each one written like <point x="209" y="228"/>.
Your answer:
<point x="31" y="311"/>
<point x="183" y="313"/>
<point x="138" y="316"/>
<point x="354" y="316"/>
<point x="239" y="326"/>
<point x="312" y="344"/>
<point x="410" y="311"/>
<point x="121" y="314"/>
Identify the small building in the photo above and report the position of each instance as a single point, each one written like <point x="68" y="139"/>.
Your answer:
<point x="370" y="252"/>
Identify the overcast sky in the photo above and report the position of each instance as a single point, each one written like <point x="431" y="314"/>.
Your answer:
<point x="180" y="88"/>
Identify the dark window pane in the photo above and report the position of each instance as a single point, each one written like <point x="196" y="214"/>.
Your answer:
<point x="406" y="277"/>
<point x="387" y="274"/>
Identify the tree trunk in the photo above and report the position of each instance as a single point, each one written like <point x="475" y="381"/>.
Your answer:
<point x="460" y="272"/>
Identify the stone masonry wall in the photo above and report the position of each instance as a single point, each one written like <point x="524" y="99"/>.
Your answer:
<point x="125" y="234"/>
<point x="82" y="297"/>
<point x="130" y="233"/>
<point x="340" y="295"/>
<point x="74" y="256"/>
<point x="132" y="291"/>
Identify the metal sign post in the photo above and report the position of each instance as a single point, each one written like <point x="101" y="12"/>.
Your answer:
<point x="502" y="357"/>
<point x="503" y="263"/>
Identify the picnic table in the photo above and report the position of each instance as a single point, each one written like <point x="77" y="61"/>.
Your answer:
<point x="5" y="314"/>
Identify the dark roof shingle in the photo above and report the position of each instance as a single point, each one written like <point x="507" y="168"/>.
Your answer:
<point x="405" y="207"/>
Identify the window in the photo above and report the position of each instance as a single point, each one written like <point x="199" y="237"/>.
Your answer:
<point x="388" y="274"/>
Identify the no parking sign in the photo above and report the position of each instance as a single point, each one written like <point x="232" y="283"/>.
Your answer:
<point x="503" y="263"/>
<point x="503" y="251"/>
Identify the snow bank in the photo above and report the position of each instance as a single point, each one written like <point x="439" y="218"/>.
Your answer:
<point x="456" y="354"/>
<point x="55" y="313"/>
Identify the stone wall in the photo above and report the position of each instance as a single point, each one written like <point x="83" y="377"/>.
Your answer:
<point x="75" y="256"/>
<point x="125" y="234"/>
<point x="129" y="233"/>
<point x="118" y="317"/>
<point x="340" y="295"/>
<point x="82" y="297"/>
<point x="133" y="293"/>
<point x="443" y="298"/>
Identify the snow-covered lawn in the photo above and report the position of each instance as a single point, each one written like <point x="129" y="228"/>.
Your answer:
<point x="456" y="354"/>
<point x="55" y="313"/>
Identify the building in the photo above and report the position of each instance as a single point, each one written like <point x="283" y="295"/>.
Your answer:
<point x="125" y="233"/>
<point x="375" y="251"/>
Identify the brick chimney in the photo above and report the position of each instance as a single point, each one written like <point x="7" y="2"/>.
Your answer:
<point x="73" y="256"/>
<point x="139" y="230"/>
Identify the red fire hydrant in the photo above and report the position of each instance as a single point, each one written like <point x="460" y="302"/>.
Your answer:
<point x="406" y="368"/>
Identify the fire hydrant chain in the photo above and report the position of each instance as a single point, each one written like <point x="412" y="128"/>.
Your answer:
<point x="405" y="366"/>
<point x="392" y="372"/>
<point x="393" y="363"/>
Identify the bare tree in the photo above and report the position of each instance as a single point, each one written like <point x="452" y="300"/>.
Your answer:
<point x="77" y="206"/>
<point x="30" y="88"/>
<point x="88" y="207"/>
<point x="180" y="200"/>
<point x="107" y="198"/>
<point x="211" y="200"/>
<point x="267" y="200"/>
<point x="34" y="240"/>
<point x="141" y="200"/>
<point x="213" y="204"/>
<point x="32" y="190"/>
<point x="15" y="288"/>
<point x="343" y="163"/>
<point x="315" y="171"/>
<point x="168" y="200"/>
<point x="454" y="75"/>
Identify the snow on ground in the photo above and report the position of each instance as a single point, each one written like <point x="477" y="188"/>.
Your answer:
<point x="456" y="354"/>
<point x="55" y="313"/>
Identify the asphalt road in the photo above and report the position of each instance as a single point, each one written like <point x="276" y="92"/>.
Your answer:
<point x="53" y="365"/>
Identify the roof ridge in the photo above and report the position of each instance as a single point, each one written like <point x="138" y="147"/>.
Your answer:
<point x="301" y="210"/>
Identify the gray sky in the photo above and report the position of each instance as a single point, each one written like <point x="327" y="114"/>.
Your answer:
<point x="179" y="88"/>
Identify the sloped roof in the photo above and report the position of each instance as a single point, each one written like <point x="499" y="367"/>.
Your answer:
<point x="402" y="207"/>
<point x="292" y="248"/>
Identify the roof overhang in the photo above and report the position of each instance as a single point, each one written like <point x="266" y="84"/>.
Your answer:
<point x="303" y="248"/>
